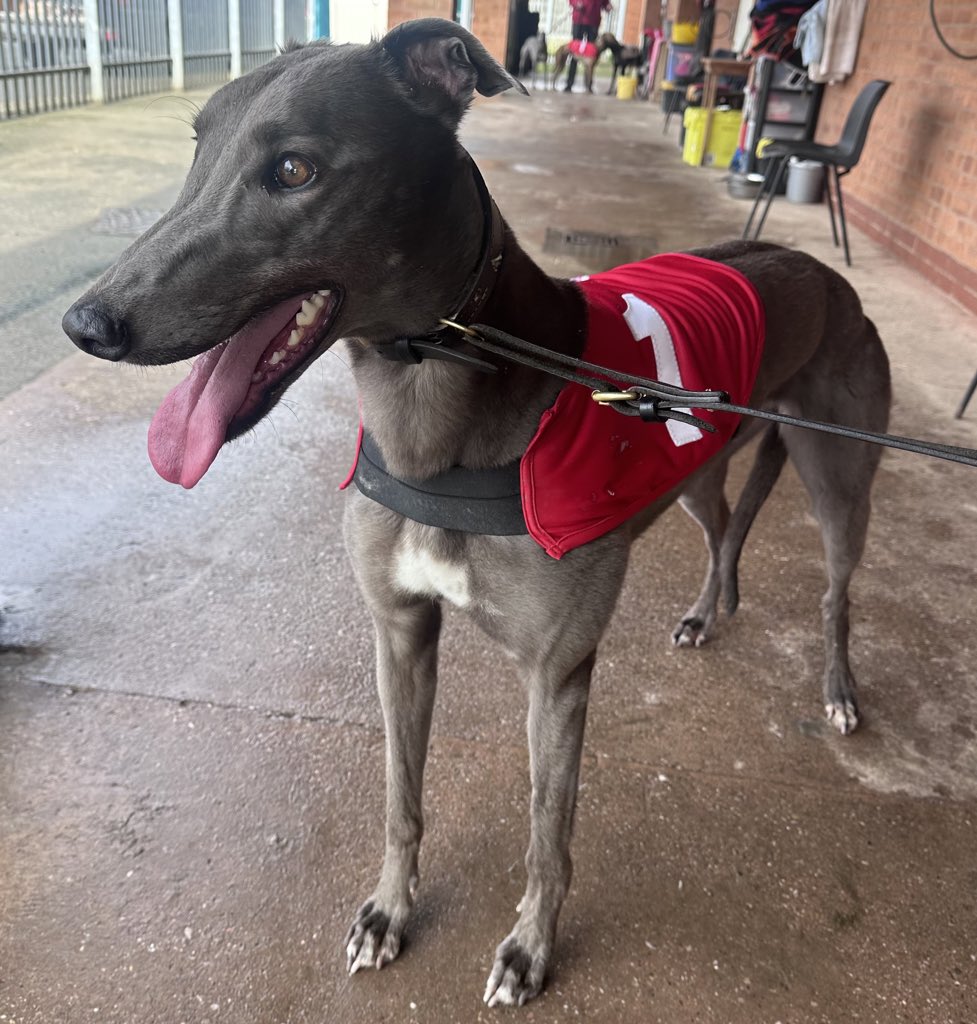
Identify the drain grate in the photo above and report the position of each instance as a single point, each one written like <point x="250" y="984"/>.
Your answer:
<point x="597" y="250"/>
<point x="557" y="241"/>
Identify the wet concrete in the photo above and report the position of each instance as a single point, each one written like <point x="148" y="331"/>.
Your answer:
<point x="192" y="749"/>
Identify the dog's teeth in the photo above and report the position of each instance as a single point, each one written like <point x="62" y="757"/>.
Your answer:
<point x="317" y="300"/>
<point x="306" y="314"/>
<point x="294" y="338"/>
<point x="324" y="292"/>
<point x="257" y="378"/>
<point x="276" y="358"/>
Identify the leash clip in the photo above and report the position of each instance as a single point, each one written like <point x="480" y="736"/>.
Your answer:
<point x="459" y="327"/>
<point x="610" y="397"/>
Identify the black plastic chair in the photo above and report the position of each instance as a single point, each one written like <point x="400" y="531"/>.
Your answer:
<point x="967" y="397"/>
<point x="838" y="160"/>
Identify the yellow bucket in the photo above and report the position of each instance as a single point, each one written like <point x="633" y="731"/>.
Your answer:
<point x="684" y="33"/>
<point x="626" y="88"/>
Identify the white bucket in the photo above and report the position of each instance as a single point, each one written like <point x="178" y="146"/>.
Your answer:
<point x="805" y="181"/>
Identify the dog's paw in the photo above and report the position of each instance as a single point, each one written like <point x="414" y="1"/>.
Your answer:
<point x="691" y="632"/>
<point x="373" y="938"/>
<point x="843" y="715"/>
<point x="517" y="975"/>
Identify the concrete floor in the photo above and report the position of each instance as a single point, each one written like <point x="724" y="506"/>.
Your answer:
<point x="191" y="776"/>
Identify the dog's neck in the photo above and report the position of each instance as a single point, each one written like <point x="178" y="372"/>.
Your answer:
<point x="426" y="418"/>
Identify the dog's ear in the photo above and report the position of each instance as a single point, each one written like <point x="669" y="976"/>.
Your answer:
<point x="443" y="66"/>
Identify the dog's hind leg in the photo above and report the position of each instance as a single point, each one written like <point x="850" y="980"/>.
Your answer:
<point x="407" y="640"/>
<point x="847" y="382"/>
<point x="838" y="477"/>
<point x="770" y="458"/>
<point x="705" y="501"/>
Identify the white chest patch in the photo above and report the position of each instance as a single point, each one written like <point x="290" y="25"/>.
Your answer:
<point x="418" y="572"/>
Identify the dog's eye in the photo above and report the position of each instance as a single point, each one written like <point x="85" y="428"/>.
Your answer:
<point x="293" y="171"/>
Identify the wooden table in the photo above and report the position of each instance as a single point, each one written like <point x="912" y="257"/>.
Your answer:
<point x="715" y="68"/>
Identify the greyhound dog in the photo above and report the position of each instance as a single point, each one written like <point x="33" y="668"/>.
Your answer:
<point x="625" y="58"/>
<point x="274" y="251"/>
<point x="564" y="54"/>
<point x="533" y="53"/>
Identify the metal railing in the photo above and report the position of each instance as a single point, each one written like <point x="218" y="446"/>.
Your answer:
<point x="61" y="53"/>
<point x="206" y="43"/>
<point x="42" y="56"/>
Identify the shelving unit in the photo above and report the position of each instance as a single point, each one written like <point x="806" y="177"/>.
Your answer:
<point x="786" y="106"/>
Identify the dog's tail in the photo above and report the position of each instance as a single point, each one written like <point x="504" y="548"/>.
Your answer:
<point x="770" y="458"/>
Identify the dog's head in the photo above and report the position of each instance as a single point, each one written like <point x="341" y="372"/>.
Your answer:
<point x="327" y="198"/>
<point x="608" y="41"/>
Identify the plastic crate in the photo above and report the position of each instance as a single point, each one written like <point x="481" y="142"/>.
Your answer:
<point x="724" y="135"/>
<point x="680" y="62"/>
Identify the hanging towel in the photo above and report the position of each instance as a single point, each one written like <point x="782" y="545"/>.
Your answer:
<point x="842" y="30"/>
<point x="810" y="33"/>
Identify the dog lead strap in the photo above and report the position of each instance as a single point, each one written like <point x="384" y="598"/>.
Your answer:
<point x="654" y="401"/>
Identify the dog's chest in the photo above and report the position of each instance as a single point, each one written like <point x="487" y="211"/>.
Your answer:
<point x="421" y="572"/>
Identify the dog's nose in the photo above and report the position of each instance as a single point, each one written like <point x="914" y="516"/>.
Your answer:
<point x="96" y="331"/>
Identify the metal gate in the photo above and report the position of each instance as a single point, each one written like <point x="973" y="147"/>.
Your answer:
<point x="554" y="18"/>
<point x="257" y="34"/>
<point x="206" y="43"/>
<point x="296" y="20"/>
<point x="135" y="47"/>
<point x="61" y="53"/>
<point x="42" y="56"/>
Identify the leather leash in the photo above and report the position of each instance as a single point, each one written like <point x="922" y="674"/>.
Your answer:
<point x="652" y="400"/>
<point x="656" y="402"/>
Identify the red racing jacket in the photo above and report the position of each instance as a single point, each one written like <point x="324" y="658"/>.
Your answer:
<point x="678" y="319"/>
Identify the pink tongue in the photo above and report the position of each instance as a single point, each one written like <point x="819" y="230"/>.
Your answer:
<point x="191" y="425"/>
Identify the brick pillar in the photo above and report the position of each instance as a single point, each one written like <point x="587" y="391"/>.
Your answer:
<point x="490" y="22"/>
<point x="406" y="10"/>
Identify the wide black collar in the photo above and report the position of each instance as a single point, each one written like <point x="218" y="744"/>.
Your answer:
<point x="437" y="344"/>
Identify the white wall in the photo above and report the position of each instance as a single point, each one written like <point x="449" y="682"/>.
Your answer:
<point x="357" y="21"/>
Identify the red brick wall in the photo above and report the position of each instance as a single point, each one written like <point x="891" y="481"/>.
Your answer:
<point x="642" y="14"/>
<point x="915" y="188"/>
<point x="634" y="22"/>
<point x="722" y="37"/>
<point x="490" y="18"/>
<point x="405" y="10"/>
<point x="490" y="23"/>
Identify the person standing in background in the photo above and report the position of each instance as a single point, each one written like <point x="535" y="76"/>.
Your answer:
<point x="586" y="22"/>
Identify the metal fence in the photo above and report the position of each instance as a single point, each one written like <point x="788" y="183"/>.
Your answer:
<point x="42" y="56"/>
<point x="257" y="34"/>
<point x="135" y="47"/>
<point x="60" y="53"/>
<point x="206" y="42"/>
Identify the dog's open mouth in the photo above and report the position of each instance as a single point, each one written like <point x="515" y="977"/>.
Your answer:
<point x="232" y="385"/>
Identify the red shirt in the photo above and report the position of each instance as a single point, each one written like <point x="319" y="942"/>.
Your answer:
<point x="678" y="319"/>
<point x="588" y="12"/>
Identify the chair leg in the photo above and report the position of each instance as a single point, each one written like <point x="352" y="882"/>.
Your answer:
<point x="749" y="220"/>
<point x="761" y="192"/>
<point x="777" y="178"/>
<point x="841" y="215"/>
<point x="830" y="202"/>
<point x="967" y="397"/>
<point x="674" y="107"/>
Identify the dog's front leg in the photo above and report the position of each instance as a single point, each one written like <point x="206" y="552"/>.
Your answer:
<point x="557" y="715"/>
<point x="407" y="641"/>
